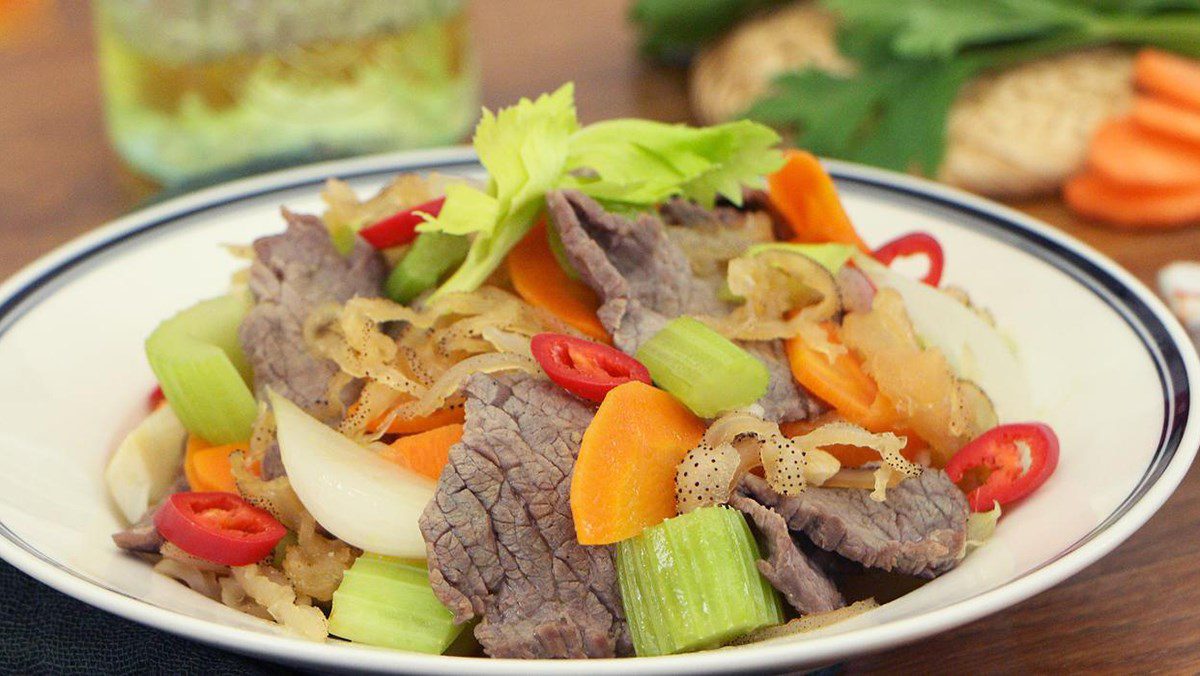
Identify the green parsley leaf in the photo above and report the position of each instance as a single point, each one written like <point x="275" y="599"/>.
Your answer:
<point x="675" y="28"/>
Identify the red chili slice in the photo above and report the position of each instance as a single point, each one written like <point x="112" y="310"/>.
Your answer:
<point x="992" y="467"/>
<point x="156" y="398"/>
<point x="584" y="368"/>
<point x="400" y="228"/>
<point x="916" y="244"/>
<point x="218" y="527"/>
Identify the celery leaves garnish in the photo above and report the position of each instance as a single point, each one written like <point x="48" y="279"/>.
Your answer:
<point x="538" y="146"/>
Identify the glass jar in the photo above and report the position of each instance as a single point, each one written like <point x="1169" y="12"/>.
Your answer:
<point x="195" y="89"/>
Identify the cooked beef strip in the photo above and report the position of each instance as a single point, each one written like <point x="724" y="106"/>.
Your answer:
<point x="920" y="528"/>
<point x="644" y="280"/>
<point x="499" y="533"/>
<point x="292" y="274"/>
<point x="805" y="586"/>
<point x="143" y="536"/>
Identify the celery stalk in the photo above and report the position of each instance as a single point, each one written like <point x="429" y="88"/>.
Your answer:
<point x="702" y="368"/>
<point x="432" y="254"/>
<point x="385" y="601"/>
<point x="198" y="360"/>
<point x="692" y="583"/>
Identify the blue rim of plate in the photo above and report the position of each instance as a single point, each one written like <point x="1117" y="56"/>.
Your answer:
<point x="1147" y="325"/>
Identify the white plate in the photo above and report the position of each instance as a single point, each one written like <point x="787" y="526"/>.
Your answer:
<point x="1108" y="366"/>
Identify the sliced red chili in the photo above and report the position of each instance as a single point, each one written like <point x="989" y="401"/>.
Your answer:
<point x="583" y="368"/>
<point x="1004" y="464"/>
<point x="916" y="244"/>
<point x="156" y="397"/>
<point x="400" y="228"/>
<point x="218" y="527"/>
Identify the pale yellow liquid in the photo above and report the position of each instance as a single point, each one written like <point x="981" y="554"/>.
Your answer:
<point x="177" y="120"/>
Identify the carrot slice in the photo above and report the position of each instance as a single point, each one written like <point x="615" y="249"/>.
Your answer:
<point x="207" y="467"/>
<point x="1095" y="196"/>
<point x="425" y="453"/>
<point x="804" y="194"/>
<point x="849" y="456"/>
<point x="1168" y="119"/>
<point x="842" y="383"/>
<point x="1168" y="75"/>
<point x="1124" y="152"/>
<point x="624" y="479"/>
<point x="537" y="276"/>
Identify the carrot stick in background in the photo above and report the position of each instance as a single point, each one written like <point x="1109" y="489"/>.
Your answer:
<point x="1169" y="76"/>
<point x="803" y="192"/>
<point x="1095" y="196"/>
<point x="1168" y="119"/>
<point x="1124" y="152"/>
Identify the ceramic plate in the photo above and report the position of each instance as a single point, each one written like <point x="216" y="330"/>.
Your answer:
<point x="1108" y="366"/>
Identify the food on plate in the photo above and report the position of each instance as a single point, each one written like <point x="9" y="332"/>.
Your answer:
<point x="620" y="402"/>
<point x="1000" y="99"/>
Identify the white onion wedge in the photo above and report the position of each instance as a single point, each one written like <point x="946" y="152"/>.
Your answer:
<point x="146" y="463"/>
<point x="975" y="349"/>
<point x="357" y="496"/>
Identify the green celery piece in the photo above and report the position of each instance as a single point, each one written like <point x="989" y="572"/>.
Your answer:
<point x="692" y="582"/>
<point x="198" y="360"/>
<point x="830" y="256"/>
<point x="384" y="601"/>
<point x="431" y="255"/>
<point x="702" y="368"/>
<point x="344" y="238"/>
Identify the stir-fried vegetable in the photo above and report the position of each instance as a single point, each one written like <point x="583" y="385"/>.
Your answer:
<point x="218" y="527"/>
<point x="425" y="453"/>
<point x="357" y="496"/>
<point x="831" y="255"/>
<point x="624" y="477"/>
<point x="702" y="368"/>
<point x="400" y="228"/>
<point x="388" y="602"/>
<point x="915" y="244"/>
<point x="430" y="257"/>
<point x="1005" y="464"/>
<point x="692" y="582"/>
<point x="583" y="368"/>
<point x="199" y="363"/>
<point x="841" y="382"/>
<point x="207" y="467"/>
<point x="805" y="195"/>
<point x="543" y="282"/>
<point x="536" y="146"/>
<point x="146" y="463"/>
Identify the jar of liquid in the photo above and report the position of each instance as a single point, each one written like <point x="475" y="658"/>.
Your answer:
<point x="199" y="89"/>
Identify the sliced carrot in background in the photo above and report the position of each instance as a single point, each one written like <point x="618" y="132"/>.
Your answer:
<point x="1126" y="153"/>
<point x="425" y="453"/>
<point x="1096" y="196"/>
<point x="1168" y="75"/>
<point x="207" y="467"/>
<point x="538" y="278"/>
<point x="1168" y="119"/>
<point x="624" y="480"/>
<point x="805" y="195"/>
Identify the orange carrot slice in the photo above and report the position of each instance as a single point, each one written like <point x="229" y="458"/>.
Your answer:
<point x="207" y="467"/>
<point x="1168" y="75"/>
<point x="425" y="453"/>
<point x="1168" y="119"/>
<point x="804" y="194"/>
<point x="842" y="383"/>
<point x="1124" y="152"/>
<point x="537" y="276"/>
<point x="624" y="479"/>
<point x="1095" y="196"/>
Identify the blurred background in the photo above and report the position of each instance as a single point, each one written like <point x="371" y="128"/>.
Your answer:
<point x="1083" y="113"/>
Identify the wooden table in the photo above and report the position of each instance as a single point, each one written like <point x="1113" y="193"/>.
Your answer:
<point x="1137" y="610"/>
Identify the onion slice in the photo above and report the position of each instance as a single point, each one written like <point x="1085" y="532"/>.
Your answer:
<point x="357" y="496"/>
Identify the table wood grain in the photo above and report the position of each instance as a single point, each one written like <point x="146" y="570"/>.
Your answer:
<point x="1136" y="610"/>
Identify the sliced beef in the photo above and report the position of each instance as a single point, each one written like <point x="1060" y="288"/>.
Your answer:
<point x="293" y="273"/>
<point x="143" y="536"/>
<point x="499" y="534"/>
<point x="919" y="530"/>
<point x="644" y="280"/>
<point x="805" y="586"/>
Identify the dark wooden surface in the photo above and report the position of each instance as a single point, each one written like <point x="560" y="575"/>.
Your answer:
<point x="1137" y="610"/>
